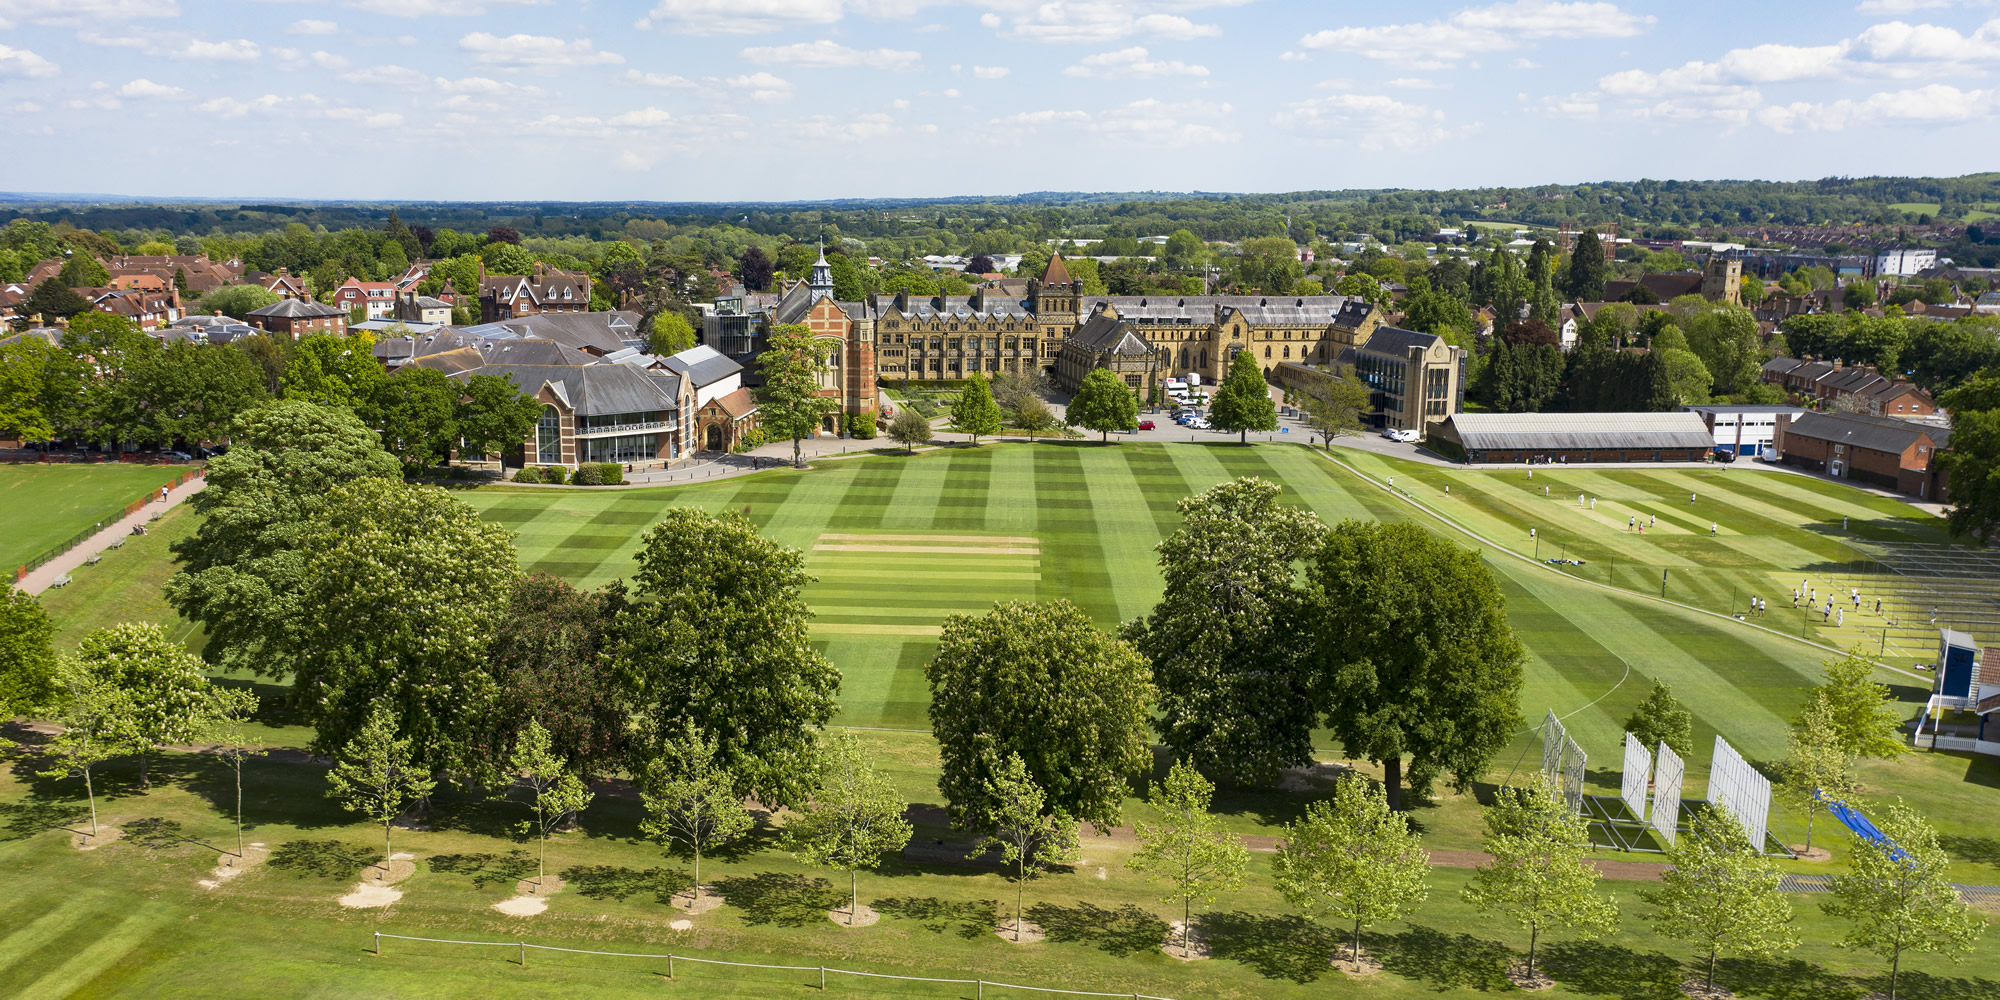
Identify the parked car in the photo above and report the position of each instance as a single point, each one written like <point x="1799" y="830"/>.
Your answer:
<point x="1409" y="436"/>
<point x="178" y="456"/>
<point x="1724" y="455"/>
<point x="1390" y="433"/>
<point x="1200" y="423"/>
<point x="1145" y="425"/>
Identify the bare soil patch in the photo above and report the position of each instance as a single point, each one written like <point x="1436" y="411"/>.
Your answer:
<point x="688" y="904"/>
<point x="1367" y="965"/>
<point x="370" y="896"/>
<point x="863" y="917"/>
<point x="1028" y="931"/>
<point x="1812" y="854"/>
<point x="1518" y="975"/>
<point x="683" y="924"/>
<point x="1189" y="948"/>
<point x="1699" y="990"/>
<point x="106" y="834"/>
<point x="522" y="906"/>
<point x="401" y="866"/>
<point x="229" y="865"/>
<point x="547" y="885"/>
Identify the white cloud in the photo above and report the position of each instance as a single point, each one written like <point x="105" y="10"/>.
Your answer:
<point x="859" y="128"/>
<point x="1760" y="64"/>
<point x="1290" y="56"/>
<point x="749" y="17"/>
<point x="1935" y="104"/>
<point x="143" y="87"/>
<point x="762" y="86"/>
<point x="646" y="117"/>
<point x="487" y="86"/>
<point x="307" y="26"/>
<point x="1897" y="41"/>
<point x="629" y="160"/>
<point x="1526" y="64"/>
<point x="389" y="75"/>
<point x="1044" y="117"/>
<point x="113" y="41"/>
<point x="1901" y="6"/>
<point x="1132" y="63"/>
<point x="659" y="79"/>
<point x="25" y="107"/>
<point x="239" y="50"/>
<point x="437" y="8"/>
<point x="1368" y="121"/>
<point x="80" y="12"/>
<point x="536" y="50"/>
<point x="102" y="102"/>
<point x="1416" y="83"/>
<point x="21" y="62"/>
<point x="230" y="107"/>
<point x="825" y="54"/>
<point x="990" y="72"/>
<point x="1162" y="124"/>
<point x="1100" y="20"/>
<point x="1494" y="28"/>
<point x="372" y="119"/>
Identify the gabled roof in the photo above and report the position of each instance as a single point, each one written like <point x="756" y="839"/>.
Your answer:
<point x="1989" y="680"/>
<point x="702" y="364"/>
<point x="738" y="404"/>
<point x="1395" y="340"/>
<point x="1579" y="431"/>
<point x="297" y="309"/>
<point x="1110" y="335"/>
<point x="1056" y="274"/>
<point x="1859" y="430"/>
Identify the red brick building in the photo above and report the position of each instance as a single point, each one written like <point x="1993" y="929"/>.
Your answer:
<point x="546" y="290"/>
<point x="845" y="331"/>
<point x="296" y="318"/>
<point x="378" y="297"/>
<point x="1894" y="454"/>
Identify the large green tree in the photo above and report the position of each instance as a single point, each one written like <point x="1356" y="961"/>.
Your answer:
<point x="1902" y="899"/>
<point x="1223" y="640"/>
<point x="1862" y="711"/>
<point x="1412" y="653"/>
<point x="1816" y="763"/>
<point x="545" y="657"/>
<point x="1585" y="280"/>
<point x="1103" y="404"/>
<point x="1334" y="406"/>
<point x="1243" y="402"/>
<point x="1043" y="682"/>
<point x="167" y="691"/>
<point x="1353" y="859"/>
<point x="237" y="301"/>
<point x="717" y="637"/>
<point x="975" y="412"/>
<point x="404" y="586"/>
<point x="1661" y="718"/>
<point x="334" y="371"/>
<point x="791" y="406"/>
<point x="27" y="654"/>
<point x="242" y="573"/>
<point x="190" y="393"/>
<point x="493" y="415"/>
<point x="416" y="414"/>
<point x="1973" y="460"/>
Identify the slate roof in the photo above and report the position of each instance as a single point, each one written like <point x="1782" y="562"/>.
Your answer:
<point x="1110" y="335"/>
<point x="603" y="332"/>
<point x="1859" y="430"/>
<point x="949" y="306"/>
<point x="593" y="390"/>
<point x="703" y="364"/>
<point x="1395" y="340"/>
<point x="297" y="309"/>
<point x="1579" y="431"/>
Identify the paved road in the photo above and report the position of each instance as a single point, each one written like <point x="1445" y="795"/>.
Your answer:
<point x="40" y="578"/>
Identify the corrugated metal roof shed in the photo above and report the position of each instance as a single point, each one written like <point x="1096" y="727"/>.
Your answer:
<point x="1580" y="431"/>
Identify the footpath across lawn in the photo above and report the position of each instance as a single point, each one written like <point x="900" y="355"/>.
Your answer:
<point x="41" y="506"/>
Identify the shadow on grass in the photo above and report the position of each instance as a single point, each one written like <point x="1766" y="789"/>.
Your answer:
<point x="968" y="920"/>
<point x="1926" y="986"/>
<point x="619" y="884"/>
<point x="486" y="869"/>
<point x="1445" y="961"/>
<point x="1791" y="979"/>
<point x="784" y="900"/>
<point x="1597" y="967"/>
<point x="1124" y="931"/>
<point x="19" y="820"/>
<point x="328" y="859"/>
<point x="1281" y="947"/>
<point x="1978" y="850"/>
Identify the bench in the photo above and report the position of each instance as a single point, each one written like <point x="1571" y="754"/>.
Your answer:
<point x="94" y="557"/>
<point x="61" y="581"/>
<point x="119" y="544"/>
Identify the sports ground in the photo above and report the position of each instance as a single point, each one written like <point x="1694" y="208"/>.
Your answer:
<point x="896" y="544"/>
<point x="43" y="505"/>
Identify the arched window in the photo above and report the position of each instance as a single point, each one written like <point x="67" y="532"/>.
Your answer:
<point x="830" y="377"/>
<point x="548" y="437"/>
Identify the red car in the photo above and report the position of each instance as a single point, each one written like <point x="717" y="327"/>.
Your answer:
<point x="1145" y="425"/>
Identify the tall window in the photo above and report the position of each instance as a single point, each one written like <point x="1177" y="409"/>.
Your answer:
<point x="548" y="437"/>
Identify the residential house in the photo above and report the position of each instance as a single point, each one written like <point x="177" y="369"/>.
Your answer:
<point x="378" y="298"/>
<point x="296" y="318"/>
<point x="546" y="290"/>
<point x="148" y="310"/>
<point x="415" y="308"/>
<point x="1857" y="389"/>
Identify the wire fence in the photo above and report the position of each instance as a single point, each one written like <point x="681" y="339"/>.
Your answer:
<point x="980" y="986"/>
<point x="86" y="534"/>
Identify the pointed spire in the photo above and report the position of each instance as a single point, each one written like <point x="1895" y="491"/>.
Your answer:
<point x="821" y="281"/>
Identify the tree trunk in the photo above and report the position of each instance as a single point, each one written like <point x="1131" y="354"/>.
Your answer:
<point x="1020" y="880"/>
<point x="542" y="864"/>
<point x="239" y="807"/>
<point x="1534" y="934"/>
<point x="144" y="782"/>
<point x="697" y="877"/>
<point x="386" y="852"/>
<point x="853" y="897"/>
<point x="1392" y="781"/>
<point x="798" y="462"/>
<point x="1357" y="944"/>
<point x="1243" y="436"/>
<point x="1809" y="814"/>
<point x="1187" y="925"/>
<point x="1895" y="965"/>
<point x="1711" y="968"/>
<point x="92" y="792"/>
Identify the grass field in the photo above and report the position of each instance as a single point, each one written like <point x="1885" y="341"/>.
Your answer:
<point x="897" y="543"/>
<point x="41" y="506"/>
<point x="1915" y="207"/>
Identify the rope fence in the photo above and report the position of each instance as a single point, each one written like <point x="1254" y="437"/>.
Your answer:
<point x="522" y="948"/>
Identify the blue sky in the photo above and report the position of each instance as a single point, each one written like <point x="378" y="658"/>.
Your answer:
<point x="796" y="99"/>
